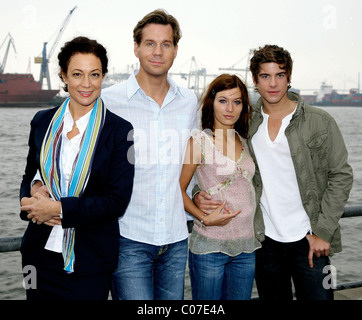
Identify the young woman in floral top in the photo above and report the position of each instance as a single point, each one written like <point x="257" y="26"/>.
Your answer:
<point x="222" y="243"/>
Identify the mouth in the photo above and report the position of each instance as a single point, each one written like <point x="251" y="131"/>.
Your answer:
<point x="85" y="94"/>
<point x="273" y="93"/>
<point x="228" y="117"/>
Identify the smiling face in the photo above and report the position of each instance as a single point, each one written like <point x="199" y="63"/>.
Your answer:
<point x="272" y="83"/>
<point x="156" y="50"/>
<point x="84" y="79"/>
<point x="227" y="108"/>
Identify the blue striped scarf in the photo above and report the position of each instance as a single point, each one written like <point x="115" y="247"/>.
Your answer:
<point x="51" y="166"/>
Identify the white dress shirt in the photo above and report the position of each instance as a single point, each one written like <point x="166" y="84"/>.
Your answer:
<point x="156" y="212"/>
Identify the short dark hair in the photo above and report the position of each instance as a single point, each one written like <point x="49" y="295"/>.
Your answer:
<point x="221" y="83"/>
<point x="271" y="53"/>
<point x="81" y="45"/>
<point x="158" y="16"/>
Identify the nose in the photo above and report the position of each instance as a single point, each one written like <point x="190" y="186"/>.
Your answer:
<point x="86" y="82"/>
<point x="273" y="81"/>
<point x="157" y="51"/>
<point x="230" y="106"/>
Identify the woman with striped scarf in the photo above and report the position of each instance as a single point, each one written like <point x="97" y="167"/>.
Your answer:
<point x="82" y="154"/>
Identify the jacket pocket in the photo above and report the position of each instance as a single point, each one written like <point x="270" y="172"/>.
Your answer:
<point x="318" y="151"/>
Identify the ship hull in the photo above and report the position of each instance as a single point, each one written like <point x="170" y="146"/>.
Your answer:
<point x="21" y="90"/>
<point x="337" y="104"/>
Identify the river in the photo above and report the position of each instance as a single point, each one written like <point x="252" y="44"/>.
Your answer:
<point x="14" y="131"/>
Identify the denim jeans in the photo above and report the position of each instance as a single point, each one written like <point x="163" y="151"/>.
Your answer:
<point x="217" y="276"/>
<point x="278" y="263"/>
<point x="148" y="272"/>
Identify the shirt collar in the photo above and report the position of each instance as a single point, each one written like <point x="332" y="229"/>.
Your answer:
<point x="133" y="87"/>
<point x="81" y="123"/>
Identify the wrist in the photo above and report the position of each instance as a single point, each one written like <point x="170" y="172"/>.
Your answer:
<point x="57" y="209"/>
<point x="203" y="220"/>
<point x="61" y="211"/>
<point x="35" y="185"/>
<point x="194" y="196"/>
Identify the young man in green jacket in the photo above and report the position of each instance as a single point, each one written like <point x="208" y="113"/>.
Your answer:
<point x="302" y="184"/>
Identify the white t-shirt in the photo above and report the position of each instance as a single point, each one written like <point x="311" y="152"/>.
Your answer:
<point x="284" y="215"/>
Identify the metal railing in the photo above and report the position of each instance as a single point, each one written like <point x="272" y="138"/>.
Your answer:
<point x="13" y="244"/>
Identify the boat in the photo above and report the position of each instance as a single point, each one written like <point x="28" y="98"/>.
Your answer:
<point x="327" y="96"/>
<point x="351" y="99"/>
<point x="21" y="90"/>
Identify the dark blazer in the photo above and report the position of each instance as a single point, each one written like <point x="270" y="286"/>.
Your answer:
<point x="95" y="214"/>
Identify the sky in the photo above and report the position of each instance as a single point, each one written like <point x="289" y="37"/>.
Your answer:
<point x="323" y="36"/>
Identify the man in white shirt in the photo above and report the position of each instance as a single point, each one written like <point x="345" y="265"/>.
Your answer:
<point x="154" y="235"/>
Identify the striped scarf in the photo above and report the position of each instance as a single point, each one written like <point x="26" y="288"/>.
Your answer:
<point x="51" y="166"/>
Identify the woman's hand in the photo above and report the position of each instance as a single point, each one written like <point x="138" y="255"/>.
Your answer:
<point x="53" y="222"/>
<point x="41" y="208"/>
<point x="218" y="217"/>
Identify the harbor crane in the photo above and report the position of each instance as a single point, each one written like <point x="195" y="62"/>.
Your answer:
<point x="246" y="70"/>
<point x="10" y="42"/>
<point x="44" y="60"/>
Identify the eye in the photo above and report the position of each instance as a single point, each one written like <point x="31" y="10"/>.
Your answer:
<point x="166" y="45"/>
<point x="76" y="74"/>
<point x="150" y="44"/>
<point x="237" y="102"/>
<point x="96" y="75"/>
<point x="222" y="101"/>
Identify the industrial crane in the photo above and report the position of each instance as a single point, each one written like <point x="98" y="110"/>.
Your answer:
<point x="246" y="70"/>
<point x="10" y="42"/>
<point x="44" y="60"/>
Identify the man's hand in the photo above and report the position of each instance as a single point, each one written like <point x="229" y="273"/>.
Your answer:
<point x="317" y="246"/>
<point x="39" y="187"/>
<point x="203" y="201"/>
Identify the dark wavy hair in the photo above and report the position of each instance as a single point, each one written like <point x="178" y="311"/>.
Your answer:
<point x="271" y="53"/>
<point x="81" y="45"/>
<point x="221" y="83"/>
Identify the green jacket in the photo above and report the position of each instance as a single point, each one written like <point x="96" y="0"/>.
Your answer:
<point x="324" y="177"/>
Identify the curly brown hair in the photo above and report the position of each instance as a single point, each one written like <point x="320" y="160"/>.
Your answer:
<point x="271" y="53"/>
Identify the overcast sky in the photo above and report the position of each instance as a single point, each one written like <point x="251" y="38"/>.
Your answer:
<point x="324" y="37"/>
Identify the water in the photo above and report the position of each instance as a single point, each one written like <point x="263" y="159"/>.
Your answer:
<point x="14" y="131"/>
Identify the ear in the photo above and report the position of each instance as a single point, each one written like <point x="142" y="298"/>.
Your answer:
<point x="176" y="50"/>
<point x="135" y="49"/>
<point x="64" y="77"/>
<point x="255" y="82"/>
